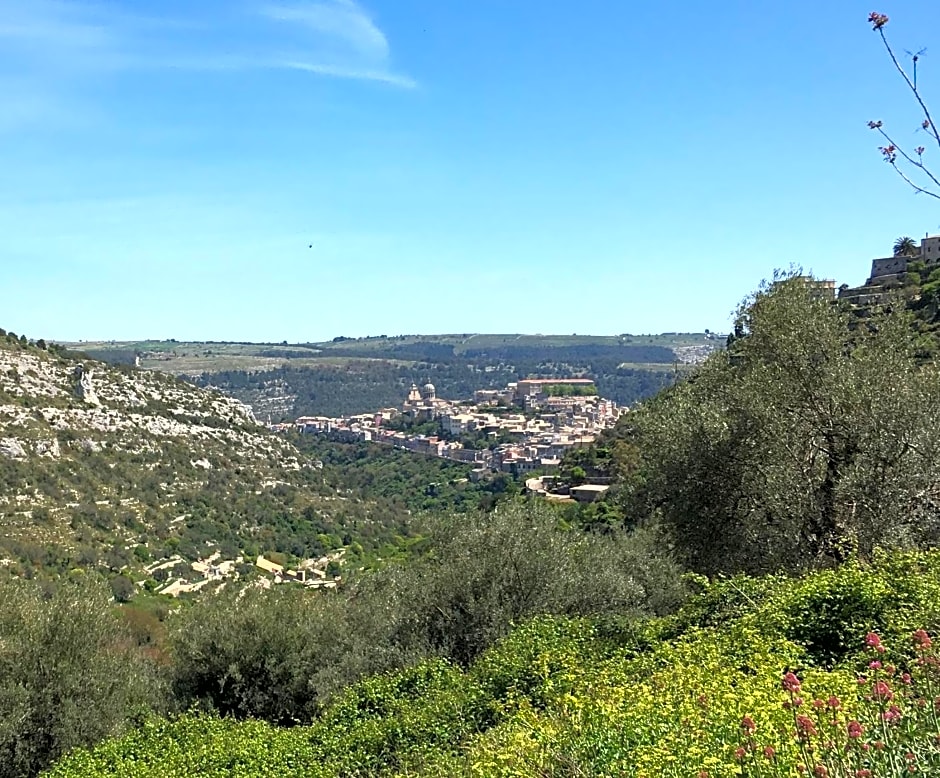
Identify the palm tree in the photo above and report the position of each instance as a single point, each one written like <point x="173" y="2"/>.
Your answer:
<point x="905" y="247"/>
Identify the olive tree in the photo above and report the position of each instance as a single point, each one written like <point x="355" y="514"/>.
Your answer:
<point x="813" y="438"/>
<point x="69" y="675"/>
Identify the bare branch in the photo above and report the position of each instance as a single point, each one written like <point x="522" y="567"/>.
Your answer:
<point x="915" y="187"/>
<point x="879" y="28"/>
<point x="900" y="150"/>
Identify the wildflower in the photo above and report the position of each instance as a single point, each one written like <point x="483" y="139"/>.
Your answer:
<point x="906" y="679"/>
<point x="872" y="640"/>
<point x="805" y="725"/>
<point x="921" y="638"/>
<point x="703" y="774"/>
<point x="769" y="752"/>
<point x="863" y="773"/>
<point x="855" y="729"/>
<point x="834" y="702"/>
<point x="881" y="691"/>
<point x="747" y="725"/>
<point x="877" y="20"/>
<point x="820" y="771"/>
<point x="791" y="683"/>
<point x="874" y="665"/>
<point x="874" y="125"/>
<point x="892" y="715"/>
<point x="739" y="753"/>
<point x="919" y="151"/>
<point x="818" y="704"/>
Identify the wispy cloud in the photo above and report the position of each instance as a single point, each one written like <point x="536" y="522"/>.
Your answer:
<point x="53" y="45"/>
<point x="338" y="71"/>
<point x="342" y="19"/>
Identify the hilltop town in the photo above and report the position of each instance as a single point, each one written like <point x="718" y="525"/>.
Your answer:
<point x="529" y="425"/>
<point x="908" y="266"/>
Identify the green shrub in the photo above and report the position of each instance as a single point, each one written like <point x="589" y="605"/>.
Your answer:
<point x="69" y="675"/>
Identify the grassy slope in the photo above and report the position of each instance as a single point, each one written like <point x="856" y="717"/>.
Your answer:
<point x="573" y="698"/>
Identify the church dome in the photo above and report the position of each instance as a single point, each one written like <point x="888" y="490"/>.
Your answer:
<point x="428" y="391"/>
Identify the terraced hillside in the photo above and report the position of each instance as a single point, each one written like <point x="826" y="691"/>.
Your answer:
<point x="116" y="468"/>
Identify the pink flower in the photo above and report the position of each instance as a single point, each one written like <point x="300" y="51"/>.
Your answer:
<point x="834" y="702"/>
<point x="820" y="771"/>
<point x="872" y="640"/>
<point x="892" y="715"/>
<point x="805" y="725"/>
<point x="877" y="20"/>
<point x="791" y="683"/>
<point x="855" y="729"/>
<point x="921" y="638"/>
<point x="881" y="691"/>
<point x="874" y="665"/>
<point x="747" y="725"/>
<point x="769" y="752"/>
<point x="739" y="753"/>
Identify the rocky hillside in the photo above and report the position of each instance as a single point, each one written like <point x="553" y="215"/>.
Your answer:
<point x="117" y="468"/>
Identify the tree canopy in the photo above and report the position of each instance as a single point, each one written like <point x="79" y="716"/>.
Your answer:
<point x="811" y="439"/>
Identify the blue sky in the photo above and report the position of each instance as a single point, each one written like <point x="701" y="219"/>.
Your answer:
<point x="487" y="166"/>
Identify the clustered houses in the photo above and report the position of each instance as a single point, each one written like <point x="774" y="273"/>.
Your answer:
<point x="530" y="424"/>
<point x="311" y="573"/>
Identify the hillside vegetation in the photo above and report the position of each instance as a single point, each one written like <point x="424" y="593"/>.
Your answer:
<point x="284" y="654"/>
<point x="109" y="469"/>
<point x="828" y="675"/>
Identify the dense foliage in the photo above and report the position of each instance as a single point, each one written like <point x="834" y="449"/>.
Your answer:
<point x="277" y="655"/>
<point x="402" y="482"/>
<point x="749" y="677"/>
<point x="812" y="439"/>
<point x="69" y="675"/>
